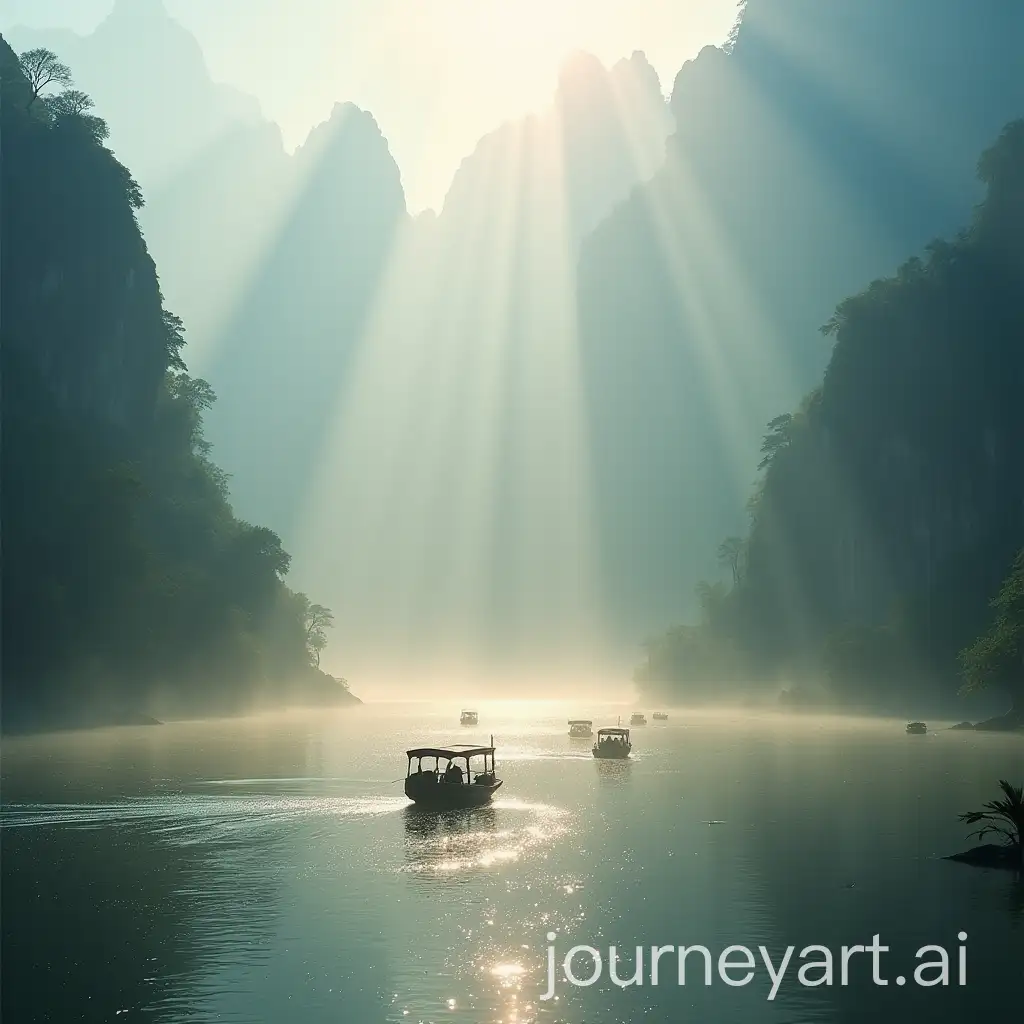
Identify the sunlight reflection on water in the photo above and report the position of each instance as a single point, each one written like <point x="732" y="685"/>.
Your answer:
<point x="307" y="887"/>
<point x="452" y="841"/>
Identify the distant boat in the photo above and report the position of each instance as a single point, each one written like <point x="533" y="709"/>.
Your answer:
<point x="469" y="718"/>
<point x="916" y="728"/>
<point x="660" y="716"/>
<point x="637" y="718"/>
<point x="581" y="728"/>
<point x="453" y="787"/>
<point x="612" y="743"/>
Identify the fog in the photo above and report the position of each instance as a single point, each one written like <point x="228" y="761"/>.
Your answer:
<point x="504" y="443"/>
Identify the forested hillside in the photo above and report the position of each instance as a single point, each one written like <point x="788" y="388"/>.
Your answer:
<point x="517" y="431"/>
<point x="129" y="585"/>
<point x="828" y="142"/>
<point x="891" y="504"/>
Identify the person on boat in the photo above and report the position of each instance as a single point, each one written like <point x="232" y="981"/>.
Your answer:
<point x="453" y="773"/>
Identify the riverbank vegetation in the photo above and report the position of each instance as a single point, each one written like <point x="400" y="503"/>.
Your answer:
<point x="1002" y="818"/>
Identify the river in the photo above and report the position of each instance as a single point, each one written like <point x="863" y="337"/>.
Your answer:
<point x="271" y="870"/>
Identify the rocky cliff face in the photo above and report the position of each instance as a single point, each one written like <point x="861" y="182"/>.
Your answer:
<point x="128" y="582"/>
<point x="811" y="157"/>
<point x="306" y="289"/>
<point x="899" y="501"/>
<point x="84" y="317"/>
<point x="604" y="134"/>
<point x="210" y="166"/>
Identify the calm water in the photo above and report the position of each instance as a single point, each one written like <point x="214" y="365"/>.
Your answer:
<point x="273" y="871"/>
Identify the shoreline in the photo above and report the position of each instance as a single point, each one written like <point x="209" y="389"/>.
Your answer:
<point x="46" y="724"/>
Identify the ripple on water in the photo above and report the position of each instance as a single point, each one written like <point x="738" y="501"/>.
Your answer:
<point x="196" y="819"/>
<point x="449" y="842"/>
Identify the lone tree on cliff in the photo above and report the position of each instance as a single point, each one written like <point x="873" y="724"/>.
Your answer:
<point x="43" y="68"/>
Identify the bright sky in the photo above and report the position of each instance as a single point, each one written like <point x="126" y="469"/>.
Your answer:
<point x="436" y="74"/>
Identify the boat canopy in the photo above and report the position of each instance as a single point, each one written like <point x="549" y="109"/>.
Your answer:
<point x="580" y="721"/>
<point x="612" y="732"/>
<point x="455" y="750"/>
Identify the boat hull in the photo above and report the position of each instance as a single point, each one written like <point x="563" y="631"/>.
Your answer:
<point x="445" y="796"/>
<point x="614" y="755"/>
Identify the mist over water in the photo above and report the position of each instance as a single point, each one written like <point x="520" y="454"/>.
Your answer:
<point x="698" y="396"/>
<point x="242" y="870"/>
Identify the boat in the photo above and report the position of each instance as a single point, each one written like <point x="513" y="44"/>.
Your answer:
<point x="453" y="787"/>
<point x="469" y="718"/>
<point x="581" y="728"/>
<point x="916" y="728"/>
<point x="612" y="743"/>
<point x="637" y="718"/>
<point x="660" y="716"/>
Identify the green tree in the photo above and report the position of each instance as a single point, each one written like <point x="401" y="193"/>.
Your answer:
<point x="1003" y="818"/>
<point x="730" y="555"/>
<point x="778" y="437"/>
<point x="711" y="597"/>
<point x="318" y="620"/>
<point x="73" y="103"/>
<point x="997" y="656"/>
<point x="42" y="68"/>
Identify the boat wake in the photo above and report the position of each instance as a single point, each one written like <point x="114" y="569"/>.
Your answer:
<point x="188" y="820"/>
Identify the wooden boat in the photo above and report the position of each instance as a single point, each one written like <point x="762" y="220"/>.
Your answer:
<point x="468" y="718"/>
<point x="612" y="743"/>
<point x="637" y="718"/>
<point x="453" y="787"/>
<point x="581" y="728"/>
<point x="916" y="728"/>
<point x="660" y="716"/>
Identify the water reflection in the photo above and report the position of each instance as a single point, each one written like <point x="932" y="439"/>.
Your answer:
<point x="1015" y="899"/>
<point x="123" y="915"/>
<point x="442" y="842"/>
<point x="269" y="884"/>
<point x="453" y="842"/>
<point x="614" y="772"/>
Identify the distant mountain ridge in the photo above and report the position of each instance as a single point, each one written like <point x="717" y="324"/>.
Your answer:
<point x="604" y="133"/>
<point x="577" y="434"/>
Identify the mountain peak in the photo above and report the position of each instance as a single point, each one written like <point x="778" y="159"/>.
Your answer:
<point x="578" y="70"/>
<point x="638" y="60"/>
<point x="343" y="110"/>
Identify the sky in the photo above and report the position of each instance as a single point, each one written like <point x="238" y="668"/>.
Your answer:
<point x="436" y="74"/>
